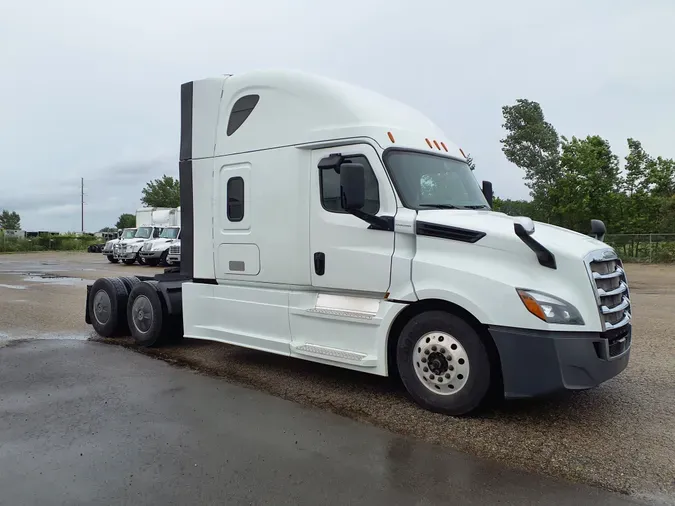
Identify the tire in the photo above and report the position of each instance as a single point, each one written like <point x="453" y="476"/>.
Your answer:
<point x="152" y="262"/>
<point x="146" y="314"/>
<point x="457" y="353"/>
<point x="112" y="259"/>
<point x="107" y="307"/>
<point x="162" y="258"/>
<point x="130" y="282"/>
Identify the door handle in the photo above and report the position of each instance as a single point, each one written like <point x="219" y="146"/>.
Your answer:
<point x="319" y="263"/>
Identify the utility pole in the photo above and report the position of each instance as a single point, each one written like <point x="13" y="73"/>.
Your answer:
<point x="82" y="201"/>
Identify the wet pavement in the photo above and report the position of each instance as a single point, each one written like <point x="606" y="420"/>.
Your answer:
<point x="619" y="436"/>
<point x="83" y="423"/>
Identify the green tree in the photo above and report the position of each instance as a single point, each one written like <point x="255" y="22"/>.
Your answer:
<point x="533" y="145"/>
<point x="163" y="192"/>
<point x="514" y="207"/>
<point x="126" y="220"/>
<point x="588" y="184"/>
<point x="108" y="229"/>
<point x="10" y="220"/>
<point x="661" y="177"/>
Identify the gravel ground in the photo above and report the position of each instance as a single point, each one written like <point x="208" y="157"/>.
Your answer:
<point x="620" y="436"/>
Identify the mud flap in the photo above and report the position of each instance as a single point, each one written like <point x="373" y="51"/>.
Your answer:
<point x="87" y="318"/>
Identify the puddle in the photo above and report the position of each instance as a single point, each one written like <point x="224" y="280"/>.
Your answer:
<point x="6" y="338"/>
<point x="54" y="279"/>
<point x="13" y="287"/>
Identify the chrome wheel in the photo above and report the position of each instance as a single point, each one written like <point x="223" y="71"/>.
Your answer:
<point x="441" y="363"/>
<point x="102" y="307"/>
<point x="142" y="314"/>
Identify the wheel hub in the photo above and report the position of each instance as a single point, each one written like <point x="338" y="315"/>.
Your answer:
<point x="102" y="307"/>
<point x="438" y="364"/>
<point x="441" y="363"/>
<point x="142" y="314"/>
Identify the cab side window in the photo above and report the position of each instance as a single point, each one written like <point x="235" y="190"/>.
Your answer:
<point x="235" y="199"/>
<point x="329" y="184"/>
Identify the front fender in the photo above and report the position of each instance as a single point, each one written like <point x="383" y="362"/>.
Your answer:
<point x="483" y="281"/>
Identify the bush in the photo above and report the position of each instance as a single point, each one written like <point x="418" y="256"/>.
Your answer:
<point x="47" y="243"/>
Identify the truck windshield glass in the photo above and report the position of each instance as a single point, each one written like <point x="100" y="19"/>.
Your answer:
<point x="143" y="233"/>
<point x="128" y="234"/>
<point x="169" y="233"/>
<point x="426" y="181"/>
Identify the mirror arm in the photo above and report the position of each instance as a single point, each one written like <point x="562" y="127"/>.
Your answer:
<point x="376" y="222"/>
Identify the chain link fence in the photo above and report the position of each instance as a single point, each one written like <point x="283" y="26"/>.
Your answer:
<point x="643" y="248"/>
<point x="46" y="242"/>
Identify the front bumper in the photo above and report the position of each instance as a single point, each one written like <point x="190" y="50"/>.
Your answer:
<point x="175" y="258"/>
<point x="151" y="254"/>
<point x="537" y="363"/>
<point x="126" y="255"/>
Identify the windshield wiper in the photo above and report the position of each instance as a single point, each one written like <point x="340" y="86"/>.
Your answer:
<point x="481" y="206"/>
<point x="440" y="206"/>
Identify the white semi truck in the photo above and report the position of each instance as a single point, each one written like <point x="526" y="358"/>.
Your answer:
<point x="111" y="248"/>
<point x="328" y="223"/>
<point x="156" y="251"/>
<point x="150" y="221"/>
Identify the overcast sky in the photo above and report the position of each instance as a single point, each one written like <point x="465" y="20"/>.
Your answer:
<point x="91" y="89"/>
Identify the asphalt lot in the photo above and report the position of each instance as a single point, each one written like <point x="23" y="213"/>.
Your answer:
<point x="620" y="436"/>
<point x="85" y="423"/>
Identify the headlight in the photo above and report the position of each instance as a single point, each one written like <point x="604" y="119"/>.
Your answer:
<point x="549" y="308"/>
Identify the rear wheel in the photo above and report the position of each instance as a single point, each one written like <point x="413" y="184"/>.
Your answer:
<point x="107" y="306"/>
<point x="146" y="314"/>
<point x="130" y="282"/>
<point x="443" y="363"/>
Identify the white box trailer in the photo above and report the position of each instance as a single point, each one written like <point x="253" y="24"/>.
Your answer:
<point x="328" y="223"/>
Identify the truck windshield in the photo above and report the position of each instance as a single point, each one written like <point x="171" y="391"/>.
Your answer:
<point x="169" y="233"/>
<point x="143" y="233"/>
<point x="427" y="181"/>
<point x="129" y="233"/>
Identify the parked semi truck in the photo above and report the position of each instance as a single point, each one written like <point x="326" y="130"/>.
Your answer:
<point x="150" y="221"/>
<point x="156" y="251"/>
<point x="111" y="247"/>
<point x="326" y="222"/>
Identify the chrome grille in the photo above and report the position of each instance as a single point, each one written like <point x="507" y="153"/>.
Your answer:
<point x="175" y="249"/>
<point x="147" y="246"/>
<point x="611" y="289"/>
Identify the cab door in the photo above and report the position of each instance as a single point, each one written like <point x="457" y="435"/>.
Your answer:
<point x="346" y="253"/>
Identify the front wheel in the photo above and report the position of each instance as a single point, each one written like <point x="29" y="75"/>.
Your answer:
<point x="112" y="259"/>
<point x="443" y="363"/>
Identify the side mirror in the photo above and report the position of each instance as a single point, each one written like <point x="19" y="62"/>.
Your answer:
<point x="352" y="186"/>
<point x="487" y="191"/>
<point x="598" y="230"/>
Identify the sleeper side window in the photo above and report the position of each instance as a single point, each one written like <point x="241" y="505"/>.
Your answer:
<point x="329" y="184"/>
<point x="235" y="199"/>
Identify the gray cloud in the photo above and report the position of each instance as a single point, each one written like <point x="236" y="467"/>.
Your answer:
<point x="93" y="92"/>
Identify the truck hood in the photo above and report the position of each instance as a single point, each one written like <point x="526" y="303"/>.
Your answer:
<point x="500" y="234"/>
<point x="157" y="242"/>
